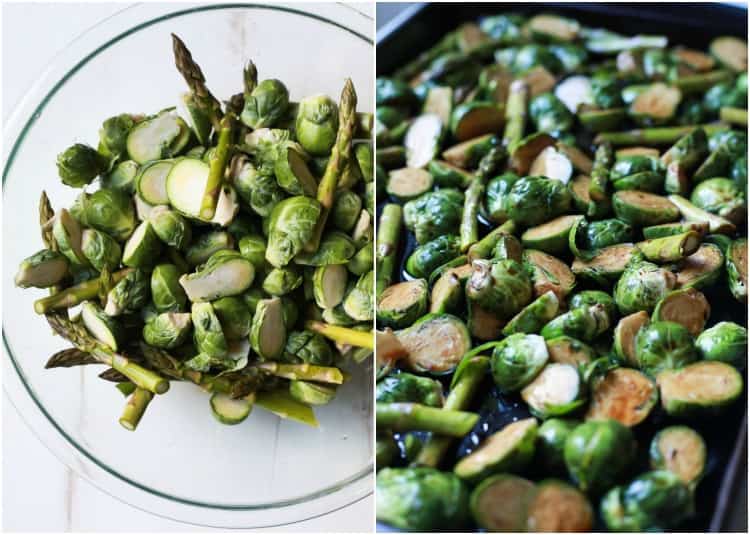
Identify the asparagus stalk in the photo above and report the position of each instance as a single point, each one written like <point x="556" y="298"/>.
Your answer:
<point x="81" y="339"/>
<point x="283" y="405"/>
<point x="75" y="295"/>
<point x="515" y="112"/>
<point x="337" y="162"/>
<point x="304" y="372"/>
<point x="733" y="115"/>
<point x="217" y="167"/>
<point x="46" y="213"/>
<point x="484" y="247"/>
<point x="698" y="83"/>
<point x="134" y="408"/>
<point x="469" y="231"/>
<point x="195" y="80"/>
<point x="389" y="232"/>
<point x="670" y="248"/>
<point x="416" y="417"/>
<point x="342" y="335"/>
<point x="655" y="136"/>
<point x="67" y="358"/>
<point x="249" y="78"/>
<point x="459" y="398"/>
<point x="604" y="158"/>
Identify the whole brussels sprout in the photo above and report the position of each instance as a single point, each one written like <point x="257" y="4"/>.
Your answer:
<point x="291" y="226"/>
<point x="166" y="292"/>
<point x="550" y="114"/>
<point x="584" y="323"/>
<point x="530" y="56"/>
<point x="501" y="286"/>
<point x="654" y="501"/>
<point x="638" y="172"/>
<point x="405" y="387"/>
<point x="721" y="196"/>
<point x="664" y="345"/>
<point x="533" y="200"/>
<point x="346" y="209"/>
<point x="204" y="246"/>
<point x="364" y="155"/>
<point x="726" y="341"/>
<point x="266" y="105"/>
<point x="172" y="228"/>
<point x="234" y="316"/>
<point x="317" y="123"/>
<point x="517" y="360"/>
<point x="309" y="347"/>
<point x="79" y="165"/>
<point x="433" y="254"/>
<point x="550" y="443"/>
<point x="101" y="250"/>
<point x="597" y="453"/>
<point x="605" y="89"/>
<point x="641" y="287"/>
<point x="111" y="211"/>
<point x="258" y="189"/>
<point x="43" y="269"/>
<point x="434" y="213"/>
<point x="253" y="247"/>
<point x="734" y="141"/>
<point x="496" y="196"/>
<point x="167" y="330"/>
<point x="606" y="232"/>
<point x="421" y="499"/>
<point x="208" y="335"/>
<point x="587" y="298"/>
<point x="113" y="135"/>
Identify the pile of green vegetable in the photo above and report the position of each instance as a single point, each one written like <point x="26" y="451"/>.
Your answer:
<point x="230" y="246"/>
<point x="570" y="204"/>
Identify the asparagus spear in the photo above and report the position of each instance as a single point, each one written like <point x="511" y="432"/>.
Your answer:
<point x="249" y="78"/>
<point x="75" y="295"/>
<point x="416" y="417"/>
<point x="217" y="167"/>
<point x="283" y="405"/>
<point x="46" y="213"/>
<point x="515" y="113"/>
<point x="67" y="358"/>
<point x="698" y="83"/>
<point x="134" y="408"/>
<point x="389" y="232"/>
<point x="195" y="80"/>
<point x="342" y="335"/>
<point x="473" y="196"/>
<point x="604" y="158"/>
<point x="483" y="248"/>
<point x="733" y="115"/>
<point x="459" y="398"/>
<point x="304" y="372"/>
<point x="656" y="136"/>
<point x="337" y="161"/>
<point x="81" y="339"/>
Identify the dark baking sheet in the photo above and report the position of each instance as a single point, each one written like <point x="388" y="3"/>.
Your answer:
<point x="420" y="26"/>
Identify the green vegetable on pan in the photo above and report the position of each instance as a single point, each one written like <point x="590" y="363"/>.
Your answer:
<point x="205" y="248"/>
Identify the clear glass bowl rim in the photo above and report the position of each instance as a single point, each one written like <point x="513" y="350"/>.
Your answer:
<point x="21" y="394"/>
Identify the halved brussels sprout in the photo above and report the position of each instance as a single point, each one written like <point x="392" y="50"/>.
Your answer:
<point x="42" y="270"/>
<point x="730" y="51"/>
<point x="101" y="326"/>
<point x="205" y="245"/>
<point x="446" y="175"/>
<point x="346" y="209"/>
<point x="702" y="388"/>
<point x="693" y="214"/>
<point x="501" y="286"/>
<point x="558" y="507"/>
<point x="228" y="410"/>
<point x="402" y="304"/>
<point x="476" y="118"/>
<point x="687" y="306"/>
<point x="142" y="248"/>
<point x="500" y="503"/>
<point x="281" y="281"/>
<point x="624" y="395"/>
<point x="517" y="360"/>
<point x="435" y="344"/>
<point x="548" y="273"/>
<point x="152" y="139"/>
<point x="721" y="196"/>
<point x="701" y="269"/>
<point x="234" y="316"/>
<point x="266" y="105"/>
<point x="111" y="211"/>
<point x="121" y="177"/>
<point x="268" y="335"/>
<point x="358" y="302"/>
<point x="253" y="247"/>
<point x="434" y="214"/>
<point x="208" y="335"/>
<point x="423" y="139"/>
<point x="80" y="164"/>
<point x="408" y="183"/>
<point x="335" y="248"/>
<point x="737" y="269"/>
<point x="550" y="443"/>
<point x="597" y="454"/>
<point x="641" y="287"/>
<point x="168" y="330"/>
<point x="433" y="254"/>
<point x="101" y="250"/>
<point x="567" y="350"/>
<point x="552" y="236"/>
<point x="225" y="273"/>
<point x="584" y="323"/>
<point x="534" y="316"/>
<point x="625" y="333"/>
<point x="130" y="294"/>
<point x="550" y="115"/>
<point x="725" y="342"/>
<point x="309" y="347"/>
<point x="557" y="390"/>
<point x="644" y="209"/>
<point x="151" y="182"/>
<point x="680" y="450"/>
<point x="532" y="200"/>
<point x="508" y="450"/>
<point x="291" y="227"/>
<point x="166" y="292"/>
<point x="421" y="499"/>
<point x="670" y="229"/>
<point x="405" y="387"/>
<point x="292" y="172"/>
<point x="497" y="196"/>
<point x="664" y="345"/>
<point x="171" y="228"/>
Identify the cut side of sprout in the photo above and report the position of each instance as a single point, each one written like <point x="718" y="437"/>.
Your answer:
<point x="559" y="508"/>
<point x="229" y="277"/>
<point x="67" y="232"/>
<point x="227" y="207"/>
<point x="552" y="164"/>
<point x="680" y="450"/>
<point x="268" y="334"/>
<point x="657" y="103"/>
<point x="731" y="52"/>
<point x="142" y="247"/>
<point x="554" y="27"/>
<point x="230" y="411"/>
<point x="142" y="208"/>
<point x="555" y="391"/>
<point x="151" y="183"/>
<point x="422" y="140"/>
<point x="549" y="274"/>
<point x="550" y="237"/>
<point x="186" y="183"/>
<point x="624" y="395"/>
<point x="435" y="345"/>
<point x="701" y="387"/>
<point x="150" y="140"/>
<point x="439" y="102"/>
<point x="311" y="393"/>
<point x="42" y="272"/>
<point x="329" y="285"/>
<point x="500" y="503"/>
<point x="99" y="325"/>
<point x="408" y="183"/>
<point x="567" y="350"/>
<point x="574" y="91"/>
<point x="625" y="332"/>
<point x="700" y="269"/>
<point x="688" y="307"/>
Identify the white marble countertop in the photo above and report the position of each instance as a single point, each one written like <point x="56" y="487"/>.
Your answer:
<point x="40" y="493"/>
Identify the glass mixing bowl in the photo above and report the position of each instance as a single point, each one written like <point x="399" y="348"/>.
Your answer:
<point x="180" y="463"/>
